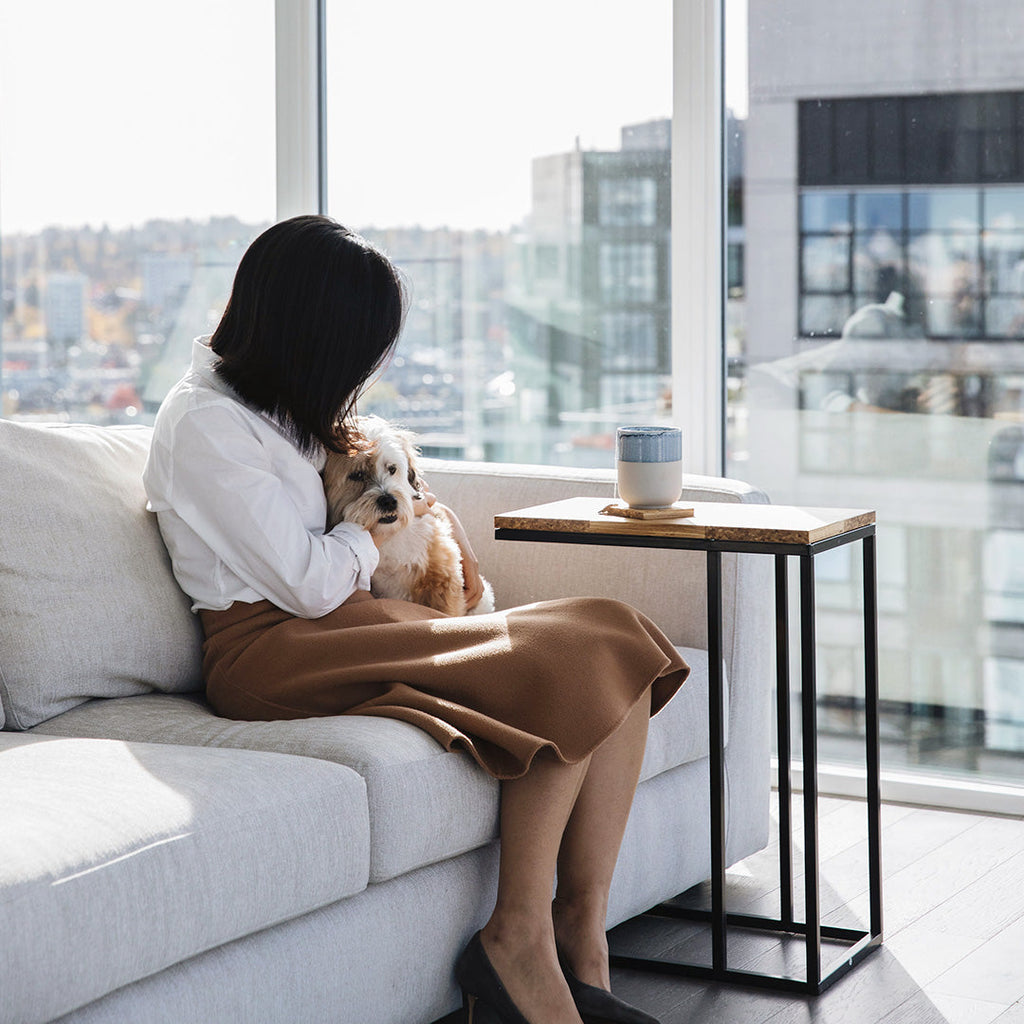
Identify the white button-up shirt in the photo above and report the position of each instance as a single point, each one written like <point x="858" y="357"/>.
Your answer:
<point x="241" y="510"/>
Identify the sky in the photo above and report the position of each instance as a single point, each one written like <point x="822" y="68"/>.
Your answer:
<point x="119" y="111"/>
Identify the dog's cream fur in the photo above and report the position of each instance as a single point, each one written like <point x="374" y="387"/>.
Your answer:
<point x="419" y="559"/>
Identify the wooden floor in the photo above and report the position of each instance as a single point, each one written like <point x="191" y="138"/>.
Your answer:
<point x="954" y="928"/>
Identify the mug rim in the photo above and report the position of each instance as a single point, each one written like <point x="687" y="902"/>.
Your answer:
<point x="630" y="430"/>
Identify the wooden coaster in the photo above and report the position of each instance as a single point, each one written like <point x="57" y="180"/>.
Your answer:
<point x="669" y="512"/>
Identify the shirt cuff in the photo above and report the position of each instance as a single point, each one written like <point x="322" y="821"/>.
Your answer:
<point x="361" y="544"/>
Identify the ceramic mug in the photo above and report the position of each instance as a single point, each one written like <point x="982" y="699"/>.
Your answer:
<point x="649" y="465"/>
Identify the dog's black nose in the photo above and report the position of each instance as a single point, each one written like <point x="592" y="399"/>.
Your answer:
<point x="387" y="503"/>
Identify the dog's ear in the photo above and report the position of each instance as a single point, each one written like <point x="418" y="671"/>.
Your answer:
<point x="407" y="441"/>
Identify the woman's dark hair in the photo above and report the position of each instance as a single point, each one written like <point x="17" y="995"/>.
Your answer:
<point x="315" y="311"/>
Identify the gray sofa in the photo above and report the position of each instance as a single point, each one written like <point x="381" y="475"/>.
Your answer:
<point x="158" y="863"/>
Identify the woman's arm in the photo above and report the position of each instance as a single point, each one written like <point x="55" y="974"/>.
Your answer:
<point x="224" y="486"/>
<point x="473" y="583"/>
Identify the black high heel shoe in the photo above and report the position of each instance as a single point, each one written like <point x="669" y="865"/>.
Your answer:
<point x="596" y="1006"/>
<point x="484" y="997"/>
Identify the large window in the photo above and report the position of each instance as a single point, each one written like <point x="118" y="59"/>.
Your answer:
<point x="136" y="163"/>
<point x="516" y="164"/>
<point x="518" y="167"/>
<point x="875" y="347"/>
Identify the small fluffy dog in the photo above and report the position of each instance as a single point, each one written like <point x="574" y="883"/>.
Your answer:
<point x="419" y="559"/>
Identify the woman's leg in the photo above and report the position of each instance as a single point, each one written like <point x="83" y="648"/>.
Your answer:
<point x="590" y="847"/>
<point x="519" y="938"/>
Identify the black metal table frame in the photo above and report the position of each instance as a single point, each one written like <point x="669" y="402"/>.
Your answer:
<point x="861" y="942"/>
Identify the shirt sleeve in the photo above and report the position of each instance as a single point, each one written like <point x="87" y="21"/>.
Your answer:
<point x="223" y="486"/>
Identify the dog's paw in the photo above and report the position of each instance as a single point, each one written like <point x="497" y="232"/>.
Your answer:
<point x="486" y="603"/>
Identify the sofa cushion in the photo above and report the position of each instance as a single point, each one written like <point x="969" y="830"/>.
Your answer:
<point x="120" y="859"/>
<point x="90" y="605"/>
<point x="426" y="804"/>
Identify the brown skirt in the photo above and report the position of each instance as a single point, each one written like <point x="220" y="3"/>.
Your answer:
<point x="557" y="676"/>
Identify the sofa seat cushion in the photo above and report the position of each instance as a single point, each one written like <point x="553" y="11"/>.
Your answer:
<point x="120" y="859"/>
<point x="426" y="804"/>
<point x="90" y="604"/>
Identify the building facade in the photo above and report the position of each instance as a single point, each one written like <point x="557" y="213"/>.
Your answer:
<point x="884" y="339"/>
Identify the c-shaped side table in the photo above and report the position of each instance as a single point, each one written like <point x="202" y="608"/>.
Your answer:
<point x="780" y="531"/>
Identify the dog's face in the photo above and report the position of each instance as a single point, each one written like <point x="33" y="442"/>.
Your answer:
<point x="376" y="488"/>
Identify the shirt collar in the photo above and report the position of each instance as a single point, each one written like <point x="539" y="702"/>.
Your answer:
<point x="204" y="365"/>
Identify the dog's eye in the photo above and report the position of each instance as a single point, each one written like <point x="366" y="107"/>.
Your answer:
<point x="357" y="475"/>
<point x="392" y="470"/>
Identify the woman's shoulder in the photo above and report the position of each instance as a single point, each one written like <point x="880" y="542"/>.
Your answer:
<point x="194" y="398"/>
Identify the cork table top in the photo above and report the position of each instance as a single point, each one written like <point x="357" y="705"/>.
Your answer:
<point x="724" y="521"/>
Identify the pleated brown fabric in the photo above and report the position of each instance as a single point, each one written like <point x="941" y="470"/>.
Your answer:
<point x="557" y="675"/>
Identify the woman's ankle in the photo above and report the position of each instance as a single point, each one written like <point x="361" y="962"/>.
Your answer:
<point x="579" y="926"/>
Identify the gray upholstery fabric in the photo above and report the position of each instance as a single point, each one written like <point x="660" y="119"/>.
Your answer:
<point x="384" y="956"/>
<point x="425" y="803"/>
<point x="90" y="605"/>
<point x="119" y="859"/>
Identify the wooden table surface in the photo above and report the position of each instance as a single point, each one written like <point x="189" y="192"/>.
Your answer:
<point x="732" y="521"/>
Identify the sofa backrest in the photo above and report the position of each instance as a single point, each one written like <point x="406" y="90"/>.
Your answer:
<point x="667" y="586"/>
<point x="89" y="606"/>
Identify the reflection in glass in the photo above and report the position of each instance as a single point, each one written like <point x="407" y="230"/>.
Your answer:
<point x="875" y="210"/>
<point x="943" y="210"/>
<point x="944" y="263"/>
<point x="1004" y="262"/>
<point x="878" y="263"/>
<point x="825" y="211"/>
<point x="885" y="369"/>
<point x="1004" y="318"/>
<point x="1004" y="208"/>
<point x="824" y="314"/>
<point x="825" y="263"/>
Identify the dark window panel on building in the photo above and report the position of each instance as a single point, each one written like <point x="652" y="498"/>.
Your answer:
<point x="966" y="138"/>
<point x="817" y="166"/>
<point x="887" y="150"/>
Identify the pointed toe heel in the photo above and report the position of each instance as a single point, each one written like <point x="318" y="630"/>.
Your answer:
<point x="596" y="1006"/>
<point x="484" y="997"/>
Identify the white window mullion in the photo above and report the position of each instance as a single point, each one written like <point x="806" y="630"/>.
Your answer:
<point x="697" y="238"/>
<point x="299" y="102"/>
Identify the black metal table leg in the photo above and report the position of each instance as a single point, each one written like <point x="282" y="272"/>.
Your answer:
<point x="809" y="707"/>
<point x="874" y="794"/>
<point x="716" y="744"/>
<point x="785" y="781"/>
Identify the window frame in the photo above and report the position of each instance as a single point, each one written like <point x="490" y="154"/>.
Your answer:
<point x="699" y="264"/>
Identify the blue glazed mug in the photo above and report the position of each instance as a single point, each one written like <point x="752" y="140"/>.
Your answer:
<point x="649" y="465"/>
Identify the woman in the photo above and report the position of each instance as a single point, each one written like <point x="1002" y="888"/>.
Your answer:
<point x="292" y="630"/>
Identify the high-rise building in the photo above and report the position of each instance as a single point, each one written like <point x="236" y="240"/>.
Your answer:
<point x="884" y="320"/>
<point x="589" y="313"/>
<point x="165" y="278"/>
<point x="64" y="308"/>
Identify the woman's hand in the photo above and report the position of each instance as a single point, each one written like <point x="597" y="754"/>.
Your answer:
<point x="473" y="584"/>
<point x="423" y="502"/>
